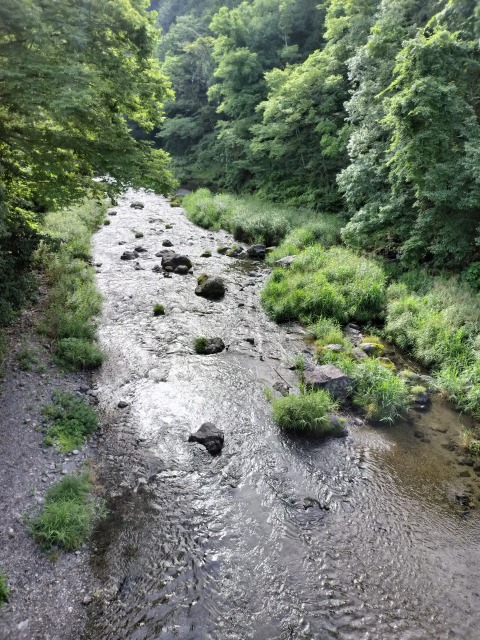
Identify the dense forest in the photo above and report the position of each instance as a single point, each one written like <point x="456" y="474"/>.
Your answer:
<point x="367" y="108"/>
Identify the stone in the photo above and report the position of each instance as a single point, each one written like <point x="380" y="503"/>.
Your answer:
<point x="282" y="388"/>
<point x="175" y="260"/>
<point x="334" y="347"/>
<point x="138" y="267"/>
<point x="123" y="404"/>
<point x="87" y="600"/>
<point x="213" y="345"/>
<point x="421" y="400"/>
<point x="329" y="378"/>
<point x="182" y="269"/>
<point x="339" y="425"/>
<point x="256" y="251"/>
<point x="165" y="252"/>
<point x="137" y="205"/>
<point x="223" y="250"/>
<point x="129" y="255"/>
<point x="212" y="288"/>
<point x="209" y="436"/>
<point x="157" y="269"/>
<point x="371" y="349"/>
<point x="141" y="249"/>
<point x="167" y="243"/>
<point x="235" y="253"/>
<point x="250" y="341"/>
<point x="285" y="262"/>
<point x="418" y="433"/>
<point x="358" y="422"/>
<point x="358" y="354"/>
<point x="113" y="213"/>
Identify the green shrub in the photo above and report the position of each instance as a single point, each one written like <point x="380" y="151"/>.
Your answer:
<point x="107" y="222"/>
<point x="75" y="353"/>
<point x="330" y="283"/>
<point x="71" y="421"/>
<point x="200" y="344"/>
<point x="307" y="413"/>
<point x="326" y="331"/>
<point x="67" y="516"/>
<point x="4" y="590"/>
<point x="27" y="358"/>
<point x="379" y="391"/>
<point x="158" y="310"/>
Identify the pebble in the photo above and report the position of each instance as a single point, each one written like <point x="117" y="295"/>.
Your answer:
<point x="123" y="404"/>
<point x="22" y="625"/>
<point x="87" y="600"/>
<point x="11" y="533"/>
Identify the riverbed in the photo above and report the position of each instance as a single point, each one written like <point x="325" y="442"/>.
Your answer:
<point x="373" y="536"/>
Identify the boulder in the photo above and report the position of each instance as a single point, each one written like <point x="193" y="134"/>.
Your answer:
<point x="140" y="249"/>
<point x="223" y="250"/>
<point x="176" y="260"/>
<point x="157" y="268"/>
<point x="211" y="437"/>
<point x="256" y="251"/>
<point x="165" y="252"/>
<point x="328" y="378"/>
<point x="210" y="287"/>
<point x="182" y="269"/>
<point x="167" y="243"/>
<point x="137" y="205"/>
<point x="113" y="213"/>
<point x="282" y="388"/>
<point x="372" y="348"/>
<point x="129" y="255"/>
<point x="285" y="262"/>
<point x="358" y="354"/>
<point x="211" y="345"/>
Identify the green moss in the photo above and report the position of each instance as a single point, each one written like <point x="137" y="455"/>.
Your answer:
<point x="138" y="234"/>
<point x="169" y="226"/>
<point x="107" y="222"/>
<point x="158" y="310"/>
<point x="200" y="345"/>
<point x="417" y="390"/>
<point x="206" y="254"/>
<point x="202" y="278"/>
<point x="387" y="363"/>
<point x="70" y="422"/>
<point x="307" y="413"/>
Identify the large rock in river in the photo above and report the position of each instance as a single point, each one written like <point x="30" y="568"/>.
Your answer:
<point x="212" y="288"/>
<point x="256" y="251"/>
<point x="129" y="255"/>
<point x="175" y="260"/>
<point x="208" y="435"/>
<point x="329" y="378"/>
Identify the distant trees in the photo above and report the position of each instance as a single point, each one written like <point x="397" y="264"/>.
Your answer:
<point x="365" y="107"/>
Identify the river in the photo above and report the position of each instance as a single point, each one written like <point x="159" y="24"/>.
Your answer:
<point x="363" y="537"/>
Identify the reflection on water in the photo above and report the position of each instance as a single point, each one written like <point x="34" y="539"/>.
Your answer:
<point x="360" y="538"/>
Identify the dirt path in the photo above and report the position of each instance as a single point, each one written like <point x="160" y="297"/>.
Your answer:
<point x="46" y="593"/>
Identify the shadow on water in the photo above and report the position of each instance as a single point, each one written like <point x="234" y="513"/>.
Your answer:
<point x="373" y="536"/>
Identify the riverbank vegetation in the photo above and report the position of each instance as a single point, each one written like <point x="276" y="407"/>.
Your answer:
<point x="70" y="422"/>
<point x="74" y="78"/>
<point x="68" y="514"/>
<point x="4" y="590"/>
<point x="310" y="413"/>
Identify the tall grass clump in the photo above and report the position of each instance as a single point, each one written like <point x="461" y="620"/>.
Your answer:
<point x="4" y="590"/>
<point x="439" y="324"/>
<point x="68" y="514"/>
<point x="70" y="421"/>
<point x="306" y="413"/>
<point x="73" y="301"/>
<point x="252" y="220"/>
<point x="330" y="283"/>
<point x="379" y="391"/>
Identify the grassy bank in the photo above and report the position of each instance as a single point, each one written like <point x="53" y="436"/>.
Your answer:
<point x="4" y="590"/>
<point x="252" y="220"/>
<point x="68" y="515"/>
<point x="73" y="301"/>
<point x="435" y="319"/>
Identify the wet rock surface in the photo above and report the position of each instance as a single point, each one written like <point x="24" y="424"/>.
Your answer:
<point x="210" y="437"/>
<point x="210" y="287"/>
<point x="329" y="378"/>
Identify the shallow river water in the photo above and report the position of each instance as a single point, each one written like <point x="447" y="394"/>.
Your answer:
<point x="277" y="538"/>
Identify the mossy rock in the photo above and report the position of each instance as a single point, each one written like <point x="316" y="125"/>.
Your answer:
<point x="202" y="278"/>
<point x="387" y="363"/>
<point x="176" y="202"/>
<point x="206" y="254"/>
<point x="373" y="349"/>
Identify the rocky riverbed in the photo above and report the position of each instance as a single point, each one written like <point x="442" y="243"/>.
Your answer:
<point x="371" y="536"/>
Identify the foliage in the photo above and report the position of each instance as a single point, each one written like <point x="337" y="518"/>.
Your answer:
<point x="73" y="300"/>
<point x="250" y="219"/>
<point x="158" y="310"/>
<point x="71" y="420"/>
<point x="306" y="413"/>
<point x="67" y="516"/>
<point x="440" y="326"/>
<point x="379" y="391"/>
<point x="332" y="283"/>
<point x="4" y="590"/>
<point x="326" y="331"/>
